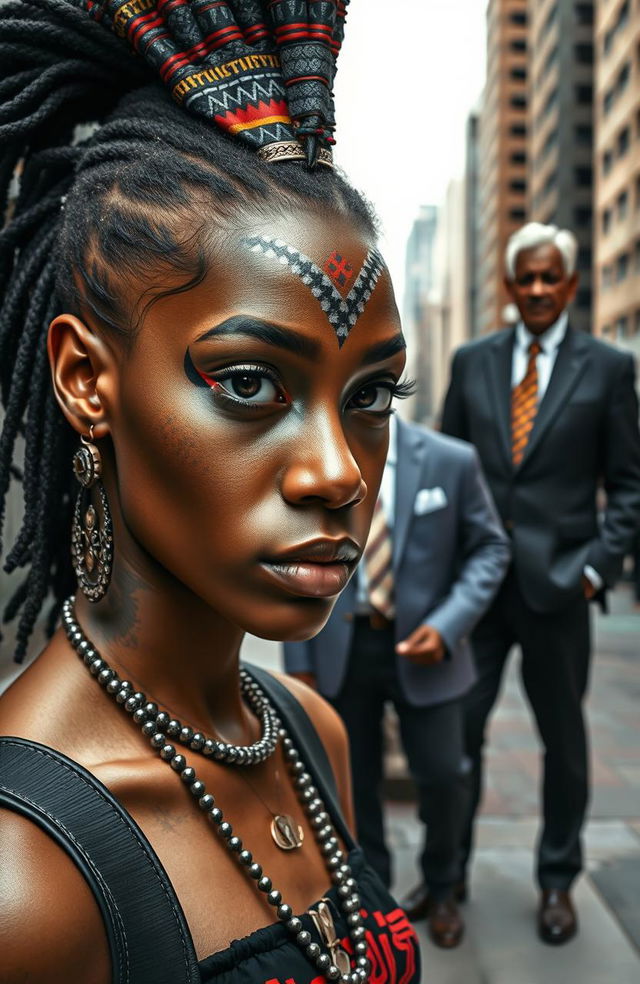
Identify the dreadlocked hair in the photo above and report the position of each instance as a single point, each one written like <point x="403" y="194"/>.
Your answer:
<point x="85" y="205"/>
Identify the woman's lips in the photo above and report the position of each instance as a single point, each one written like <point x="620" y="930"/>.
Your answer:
<point x="307" y="578"/>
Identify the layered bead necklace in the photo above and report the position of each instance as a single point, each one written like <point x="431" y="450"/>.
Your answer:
<point x="162" y="730"/>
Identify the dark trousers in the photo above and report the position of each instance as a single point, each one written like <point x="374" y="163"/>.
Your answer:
<point x="432" y="738"/>
<point x="555" y="667"/>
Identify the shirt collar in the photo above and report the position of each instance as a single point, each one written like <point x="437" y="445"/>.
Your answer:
<point x="550" y="341"/>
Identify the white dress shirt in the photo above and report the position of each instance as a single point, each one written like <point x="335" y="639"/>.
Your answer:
<point x="550" y="342"/>
<point x="388" y="497"/>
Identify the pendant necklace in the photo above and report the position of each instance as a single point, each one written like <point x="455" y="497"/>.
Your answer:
<point x="330" y="959"/>
<point x="286" y="832"/>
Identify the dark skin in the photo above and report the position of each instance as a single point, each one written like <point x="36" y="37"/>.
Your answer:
<point x="541" y="290"/>
<point x="201" y="491"/>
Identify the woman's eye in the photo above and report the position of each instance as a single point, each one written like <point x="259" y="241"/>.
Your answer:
<point x="375" y="398"/>
<point x="250" y="387"/>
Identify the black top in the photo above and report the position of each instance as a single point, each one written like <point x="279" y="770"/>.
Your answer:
<point x="148" y="936"/>
<point x="270" y="956"/>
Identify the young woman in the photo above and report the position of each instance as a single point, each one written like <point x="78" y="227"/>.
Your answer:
<point x="210" y="339"/>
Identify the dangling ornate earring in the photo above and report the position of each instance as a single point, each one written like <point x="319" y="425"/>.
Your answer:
<point x="91" y="535"/>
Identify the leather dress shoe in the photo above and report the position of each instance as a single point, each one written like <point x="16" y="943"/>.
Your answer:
<point x="557" y="922"/>
<point x="446" y="925"/>
<point x="416" y="903"/>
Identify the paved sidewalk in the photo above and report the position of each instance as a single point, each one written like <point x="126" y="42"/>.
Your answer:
<point x="500" y="945"/>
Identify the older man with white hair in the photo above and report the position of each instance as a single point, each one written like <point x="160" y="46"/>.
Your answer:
<point x="553" y="414"/>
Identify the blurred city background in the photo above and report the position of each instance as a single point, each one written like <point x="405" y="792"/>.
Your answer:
<point x="461" y="120"/>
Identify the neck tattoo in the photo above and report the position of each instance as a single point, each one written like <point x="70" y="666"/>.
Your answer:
<point x="341" y="310"/>
<point x="335" y="963"/>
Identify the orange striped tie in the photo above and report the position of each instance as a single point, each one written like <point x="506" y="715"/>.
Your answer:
<point x="378" y="555"/>
<point x="524" y="406"/>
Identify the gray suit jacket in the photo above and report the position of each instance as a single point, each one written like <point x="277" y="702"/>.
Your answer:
<point x="450" y="555"/>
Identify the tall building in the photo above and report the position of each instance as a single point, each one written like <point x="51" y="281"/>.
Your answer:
<point x="617" y="164"/>
<point x="447" y="309"/>
<point x="419" y="282"/>
<point x="502" y="153"/>
<point x="560" y="101"/>
<point x="472" y="221"/>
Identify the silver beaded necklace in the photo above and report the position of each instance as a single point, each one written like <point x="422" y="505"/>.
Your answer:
<point x="332" y="960"/>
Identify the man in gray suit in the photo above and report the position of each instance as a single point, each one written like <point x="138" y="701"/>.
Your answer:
<point x="399" y="632"/>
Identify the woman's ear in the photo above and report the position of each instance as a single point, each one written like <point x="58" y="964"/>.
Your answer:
<point x="83" y="373"/>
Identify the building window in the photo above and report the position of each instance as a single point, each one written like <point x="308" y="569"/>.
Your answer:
<point x="517" y="215"/>
<point x="607" y="276"/>
<point x="518" y="102"/>
<point x="518" y="74"/>
<point x="582" y="216"/>
<point x="622" y="205"/>
<point x="607" y="161"/>
<point x="584" y="13"/>
<point x="518" y="186"/>
<point x="606" y="221"/>
<point x="622" y="267"/>
<point x="618" y="25"/>
<point x="584" y="258"/>
<point x="622" y="144"/>
<point x="549" y="144"/>
<point x="584" y="94"/>
<point x="518" y="45"/>
<point x="518" y="130"/>
<point x="636" y="257"/>
<point x="518" y="157"/>
<point x="583" y="177"/>
<point x="518" y="17"/>
<point x="584" y="134"/>
<point x="584" y="54"/>
<point x="583" y="299"/>
<point x="622" y="327"/>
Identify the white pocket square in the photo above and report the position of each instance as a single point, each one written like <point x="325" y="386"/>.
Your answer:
<point x="428" y="500"/>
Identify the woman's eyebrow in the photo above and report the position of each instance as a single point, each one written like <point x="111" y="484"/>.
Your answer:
<point x="384" y="350"/>
<point x="264" y="331"/>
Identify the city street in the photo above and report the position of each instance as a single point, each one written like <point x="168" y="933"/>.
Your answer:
<point x="501" y="946"/>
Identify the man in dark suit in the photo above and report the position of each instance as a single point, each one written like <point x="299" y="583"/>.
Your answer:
<point x="551" y="412"/>
<point x="400" y="632"/>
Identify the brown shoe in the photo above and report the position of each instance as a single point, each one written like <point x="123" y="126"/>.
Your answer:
<point x="416" y="903"/>
<point x="446" y="925"/>
<point x="557" y="922"/>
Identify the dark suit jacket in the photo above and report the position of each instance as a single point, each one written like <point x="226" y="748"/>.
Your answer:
<point x="449" y="557"/>
<point x="586" y="430"/>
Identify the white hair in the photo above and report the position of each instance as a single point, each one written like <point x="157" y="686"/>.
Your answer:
<point x="535" y="234"/>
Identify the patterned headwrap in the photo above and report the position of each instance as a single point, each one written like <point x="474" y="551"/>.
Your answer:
<point x="262" y="70"/>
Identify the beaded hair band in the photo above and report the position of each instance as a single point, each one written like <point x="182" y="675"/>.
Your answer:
<point x="261" y="70"/>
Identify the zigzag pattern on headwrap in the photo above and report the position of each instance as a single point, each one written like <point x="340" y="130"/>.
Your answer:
<point x="263" y="70"/>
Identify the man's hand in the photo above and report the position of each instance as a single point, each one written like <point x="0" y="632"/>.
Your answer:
<point x="424" y="646"/>
<point x="308" y="678"/>
<point x="590" y="591"/>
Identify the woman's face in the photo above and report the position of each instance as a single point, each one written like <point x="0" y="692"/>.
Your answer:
<point x="249" y="443"/>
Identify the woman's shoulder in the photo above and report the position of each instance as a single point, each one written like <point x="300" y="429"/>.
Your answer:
<point x="40" y="887"/>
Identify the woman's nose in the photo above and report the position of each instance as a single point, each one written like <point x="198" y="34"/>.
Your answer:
<point x="323" y="468"/>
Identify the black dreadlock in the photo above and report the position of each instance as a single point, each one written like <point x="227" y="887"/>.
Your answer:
<point x="91" y="204"/>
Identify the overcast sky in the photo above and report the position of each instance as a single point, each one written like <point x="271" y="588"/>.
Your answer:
<point x="408" y="74"/>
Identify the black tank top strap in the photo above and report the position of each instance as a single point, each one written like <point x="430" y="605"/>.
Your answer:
<point x="302" y="730"/>
<point x="149" y="940"/>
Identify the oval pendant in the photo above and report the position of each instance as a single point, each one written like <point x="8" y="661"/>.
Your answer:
<point x="342" y="960"/>
<point x="287" y="834"/>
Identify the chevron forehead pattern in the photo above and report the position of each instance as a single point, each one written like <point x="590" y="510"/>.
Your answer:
<point x="342" y="312"/>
